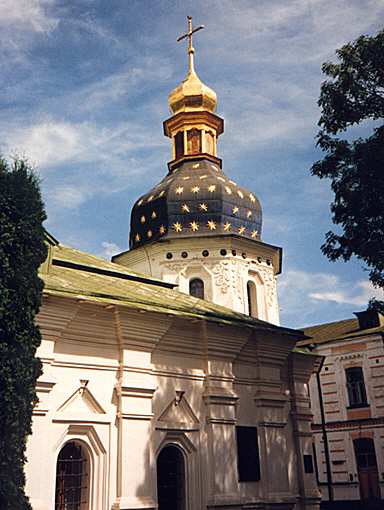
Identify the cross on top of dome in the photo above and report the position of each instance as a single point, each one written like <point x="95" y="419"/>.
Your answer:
<point x="191" y="49"/>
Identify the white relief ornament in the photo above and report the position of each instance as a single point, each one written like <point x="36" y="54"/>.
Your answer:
<point x="227" y="278"/>
<point x="269" y="284"/>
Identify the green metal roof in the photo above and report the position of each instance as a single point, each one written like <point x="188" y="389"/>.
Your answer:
<point x="73" y="273"/>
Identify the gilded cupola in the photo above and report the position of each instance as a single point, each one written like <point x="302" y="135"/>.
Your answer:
<point x="192" y="94"/>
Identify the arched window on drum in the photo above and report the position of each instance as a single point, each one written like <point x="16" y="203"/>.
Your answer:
<point x="256" y="296"/>
<point x="252" y="299"/>
<point x="72" y="478"/>
<point x="196" y="288"/>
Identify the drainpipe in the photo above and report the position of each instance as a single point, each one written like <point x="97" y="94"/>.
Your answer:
<point x="325" y="439"/>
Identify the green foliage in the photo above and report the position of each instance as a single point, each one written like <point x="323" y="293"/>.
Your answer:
<point x="355" y="94"/>
<point x="22" y="250"/>
<point x="376" y="306"/>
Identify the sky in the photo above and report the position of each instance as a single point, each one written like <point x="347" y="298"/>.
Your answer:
<point x="84" y="94"/>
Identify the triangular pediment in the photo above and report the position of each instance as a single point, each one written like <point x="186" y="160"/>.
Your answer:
<point x="178" y="411"/>
<point x="80" y="402"/>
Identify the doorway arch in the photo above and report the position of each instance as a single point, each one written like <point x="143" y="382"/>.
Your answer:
<point x="367" y="468"/>
<point x="171" y="479"/>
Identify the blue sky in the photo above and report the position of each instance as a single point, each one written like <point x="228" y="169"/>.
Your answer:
<point x="84" y="93"/>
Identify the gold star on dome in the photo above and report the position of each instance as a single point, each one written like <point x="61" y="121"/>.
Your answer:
<point x="254" y="233"/>
<point x="227" y="227"/>
<point x="253" y="199"/>
<point x="194" y="226"/>
<point x="228" y="190"/>
<point x="186" y="178"/>
<point x="140" y="201"/>
<point x="241" y="230"/>
<point x="203" y="176"/>
<point x="162" y="229"/>
<point x="221" y="179"/>
<point x="196" y="165"/>
<point x="179" y="190"/>
<point x="203" y="207"/>
<point x="161" y="193"/>
<point x="195" y="189"/>
<point x="142" y="219"/>
<point x="211" y="188"/>
<point x="150" y="198"/>
<point x="215" y="168"/>
<point x="249" y="214"/>
<point x="211" y="225"/>
<point x="185" y="208"/>
<point x="240" y="193"/>
<point x="235" y="210"/>
<point x="149" y="234"/>
<point x="137" y="238"/>
<point x="177" y="227"/>
<point x="153" y="215"/>
<point x="233" y="182"/>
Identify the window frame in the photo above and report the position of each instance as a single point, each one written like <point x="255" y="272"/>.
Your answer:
<point x="356" y="389"/>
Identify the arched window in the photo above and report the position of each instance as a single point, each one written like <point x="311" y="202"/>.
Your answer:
<point x="171" y="479"/>
<point x="252" y="299"/>
<point x="179" y="144"/>
<point x="194" y="141"/>
<point x="72" y="487"/>
<point x="356" y="387"/>
<point x="210" y="143"/>
<point x="196" y="288"/>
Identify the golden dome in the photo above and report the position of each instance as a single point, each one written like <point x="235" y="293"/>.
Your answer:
<point x="192" y="95"/>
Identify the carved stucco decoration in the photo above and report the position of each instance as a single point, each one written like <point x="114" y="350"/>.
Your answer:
<point x="269" y="284"/>
<point x="227" y="277"/>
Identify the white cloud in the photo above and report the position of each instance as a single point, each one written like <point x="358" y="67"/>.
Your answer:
<point x="50" y="143"/>
<point x="27" y="15"/>
<point x="359" y="294"/>
<point x="68" y="197"/>
<point x="109" y="249"/>
<point x="21" y="21"/>
<point x="307" y="297"/>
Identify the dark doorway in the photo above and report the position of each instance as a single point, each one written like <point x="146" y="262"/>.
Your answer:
<point x="367" y="468"/>
<point x="171" y="479"/>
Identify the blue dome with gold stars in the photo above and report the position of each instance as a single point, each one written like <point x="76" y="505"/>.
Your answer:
<point x="196" y="199"/>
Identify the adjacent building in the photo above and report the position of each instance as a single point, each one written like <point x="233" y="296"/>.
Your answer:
<point x="347" y="398"/>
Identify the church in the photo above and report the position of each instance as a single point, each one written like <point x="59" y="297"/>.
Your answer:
<point x="167" y="380"/>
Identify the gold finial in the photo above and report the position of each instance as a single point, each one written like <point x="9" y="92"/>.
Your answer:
<point x="191" y="49"/>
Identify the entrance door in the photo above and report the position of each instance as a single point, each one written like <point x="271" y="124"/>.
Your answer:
<point x="367" y="468"/>
<point x="171" y="479"/>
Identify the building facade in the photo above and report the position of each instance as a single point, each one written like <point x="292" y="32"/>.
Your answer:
<point x="348" y="406"/>
<point x="182" y="398"/>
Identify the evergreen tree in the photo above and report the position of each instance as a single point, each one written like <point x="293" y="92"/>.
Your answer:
<point x="354" y="94"/>
<point x="22" y="250"/>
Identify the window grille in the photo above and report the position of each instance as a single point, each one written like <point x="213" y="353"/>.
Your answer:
<point x="355" y="386"/>
<point x="71" y="479"/>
